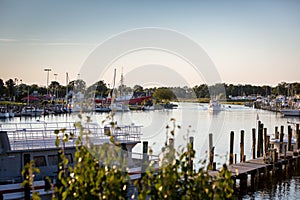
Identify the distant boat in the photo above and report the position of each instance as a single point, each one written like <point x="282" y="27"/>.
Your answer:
<point x="31" y="111"/>
<point x="101" y="108"/>
<point x="290" y="112"/>
<point x="4" y="113"/>
<point x="214" y="105"/>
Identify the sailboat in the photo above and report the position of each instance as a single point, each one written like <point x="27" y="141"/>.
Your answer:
<point x="119" y="104"/>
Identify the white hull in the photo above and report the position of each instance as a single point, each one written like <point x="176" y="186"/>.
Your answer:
<point x="290" y="112"/>
<point x="214" y="105"/>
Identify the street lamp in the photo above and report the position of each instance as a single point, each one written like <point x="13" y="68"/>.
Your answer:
<point x="47" y="70"/>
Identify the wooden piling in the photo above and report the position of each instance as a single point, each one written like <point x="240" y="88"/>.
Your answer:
<point x="231" y="148"/>
<point x="297" y="137"/>
<point x="265" y="141"/>
<point x="191" y="153"/>
<point x="289" y="148"/>
<point x="281" y="139"/>
<point x="253" y="143"/>
<point x="276" y="132"/>
<point x="145" y="158"/>
<point x="242" y="150"/>
<point x="210" y="141"/>
<point x="211" y="152"/>
<point x="260" y="139"/>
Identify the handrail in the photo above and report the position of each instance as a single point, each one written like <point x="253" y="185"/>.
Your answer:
<point x="40" y="135"/>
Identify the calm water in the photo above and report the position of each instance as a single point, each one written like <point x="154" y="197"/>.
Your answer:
<point x="195" y="120"/>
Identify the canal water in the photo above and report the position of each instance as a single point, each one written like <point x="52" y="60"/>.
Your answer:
<point x="195" y="120"/>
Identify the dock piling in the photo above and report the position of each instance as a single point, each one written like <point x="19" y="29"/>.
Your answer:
<point x="281" y="139"/>
<point x="297" y="137"/>
<point x="191" y="152"/>
<point x="265" y="140"/>
<point x="242" y="150"/>
<point x="211" y="153"/>
<point x="231" y="148"/>
<point x="253" y="143"/>
<point x="289" y="138"/>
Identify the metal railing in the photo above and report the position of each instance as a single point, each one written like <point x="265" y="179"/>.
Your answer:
<point x="40" y="135"/>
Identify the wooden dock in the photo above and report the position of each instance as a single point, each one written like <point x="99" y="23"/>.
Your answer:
<point x="276" y="159"/>
<point x="248" y="174"/>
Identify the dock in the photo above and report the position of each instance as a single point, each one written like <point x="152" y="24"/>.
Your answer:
<point x="249" y="174"/>
<point x="276" y="158"/>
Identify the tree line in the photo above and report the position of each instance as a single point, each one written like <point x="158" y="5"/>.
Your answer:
<point x="11" y="90"/>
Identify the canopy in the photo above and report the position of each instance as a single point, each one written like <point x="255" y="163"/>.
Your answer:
<point x="30" y="98"/>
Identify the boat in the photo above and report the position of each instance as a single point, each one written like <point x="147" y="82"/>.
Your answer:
<point x="119" y="103"/>
<point x="36" y="141"/>
<point x="291" y="112"/>
<point x="101" y="108"/>
<point x="119" y="107"/>
<point x="214" y="105"/>
<point x="30" y="111"/>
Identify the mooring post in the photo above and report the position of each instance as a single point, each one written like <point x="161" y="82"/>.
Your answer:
<point x="211" y="152"/>
<point x="26" y="174"/>
<point x="253" y="143"/>
<point x="289" y="138"/>
<point x="242" y="151"/>
<point x="281" y="139"/>
<point x="276" y="132"/>
<point x="297" y="137"/>
<point x="172" y="150"/>
<point x="265" y="141"/>
<point x="258" y="140"/>
<point x="145" y="158"/>
<point x="191" y="153"/>
<point x="210" y="141"/>
<point x="261" y="143"/>
<point x="231" y="148"/>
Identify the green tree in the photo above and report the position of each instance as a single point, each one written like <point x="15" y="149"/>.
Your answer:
<point x="10" y="85"/>
<point x="164" y="94"/>
<point x="2" y="88"/>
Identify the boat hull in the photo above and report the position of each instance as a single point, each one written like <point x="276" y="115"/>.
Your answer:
<point x="290" y="112"/>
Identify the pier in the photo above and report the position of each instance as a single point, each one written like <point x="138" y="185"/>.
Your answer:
<point x="274" y="158"/>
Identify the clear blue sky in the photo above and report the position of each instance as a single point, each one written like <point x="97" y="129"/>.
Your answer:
<point x="256" y="42"/>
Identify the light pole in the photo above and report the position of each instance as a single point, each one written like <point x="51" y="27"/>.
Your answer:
<point x="47" y="70"/>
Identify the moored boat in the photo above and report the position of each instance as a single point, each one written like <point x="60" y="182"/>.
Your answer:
<point x="214" y="105"/>
<point x="31" y="111"/>
<point x="36" y="141"/>
<point x="290" y="112"/>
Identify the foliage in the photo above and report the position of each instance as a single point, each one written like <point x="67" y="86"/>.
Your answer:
<point x="176" y="178"/>
<point x="95" y="175"/>
<point x="90" y="178"/>
<point x="28" y="172"/>
<point x="164" y="94"/>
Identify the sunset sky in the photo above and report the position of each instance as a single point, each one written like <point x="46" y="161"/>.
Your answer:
<point x="255" y="42"/>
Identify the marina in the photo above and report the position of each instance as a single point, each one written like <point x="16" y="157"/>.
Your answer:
<point x="198" y="124"/>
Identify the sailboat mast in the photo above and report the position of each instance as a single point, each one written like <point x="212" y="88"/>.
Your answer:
<point x="114" y="83"/>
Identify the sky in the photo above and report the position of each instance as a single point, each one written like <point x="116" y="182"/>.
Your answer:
<point x="249" y="42"/>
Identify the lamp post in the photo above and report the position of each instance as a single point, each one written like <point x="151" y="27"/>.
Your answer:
<point x="47" y="70"/>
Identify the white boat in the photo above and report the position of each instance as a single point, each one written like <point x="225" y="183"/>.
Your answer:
<point x="277" y="144"/>
<point x="37" y="142"/>
<point x="119" y="107"/>
<point x="4" y="113"/>
<point x="120" y="103"/>
<point x="31" y="111"/>
<point x="214" y="105"/>
<point x="290" y="112"/>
